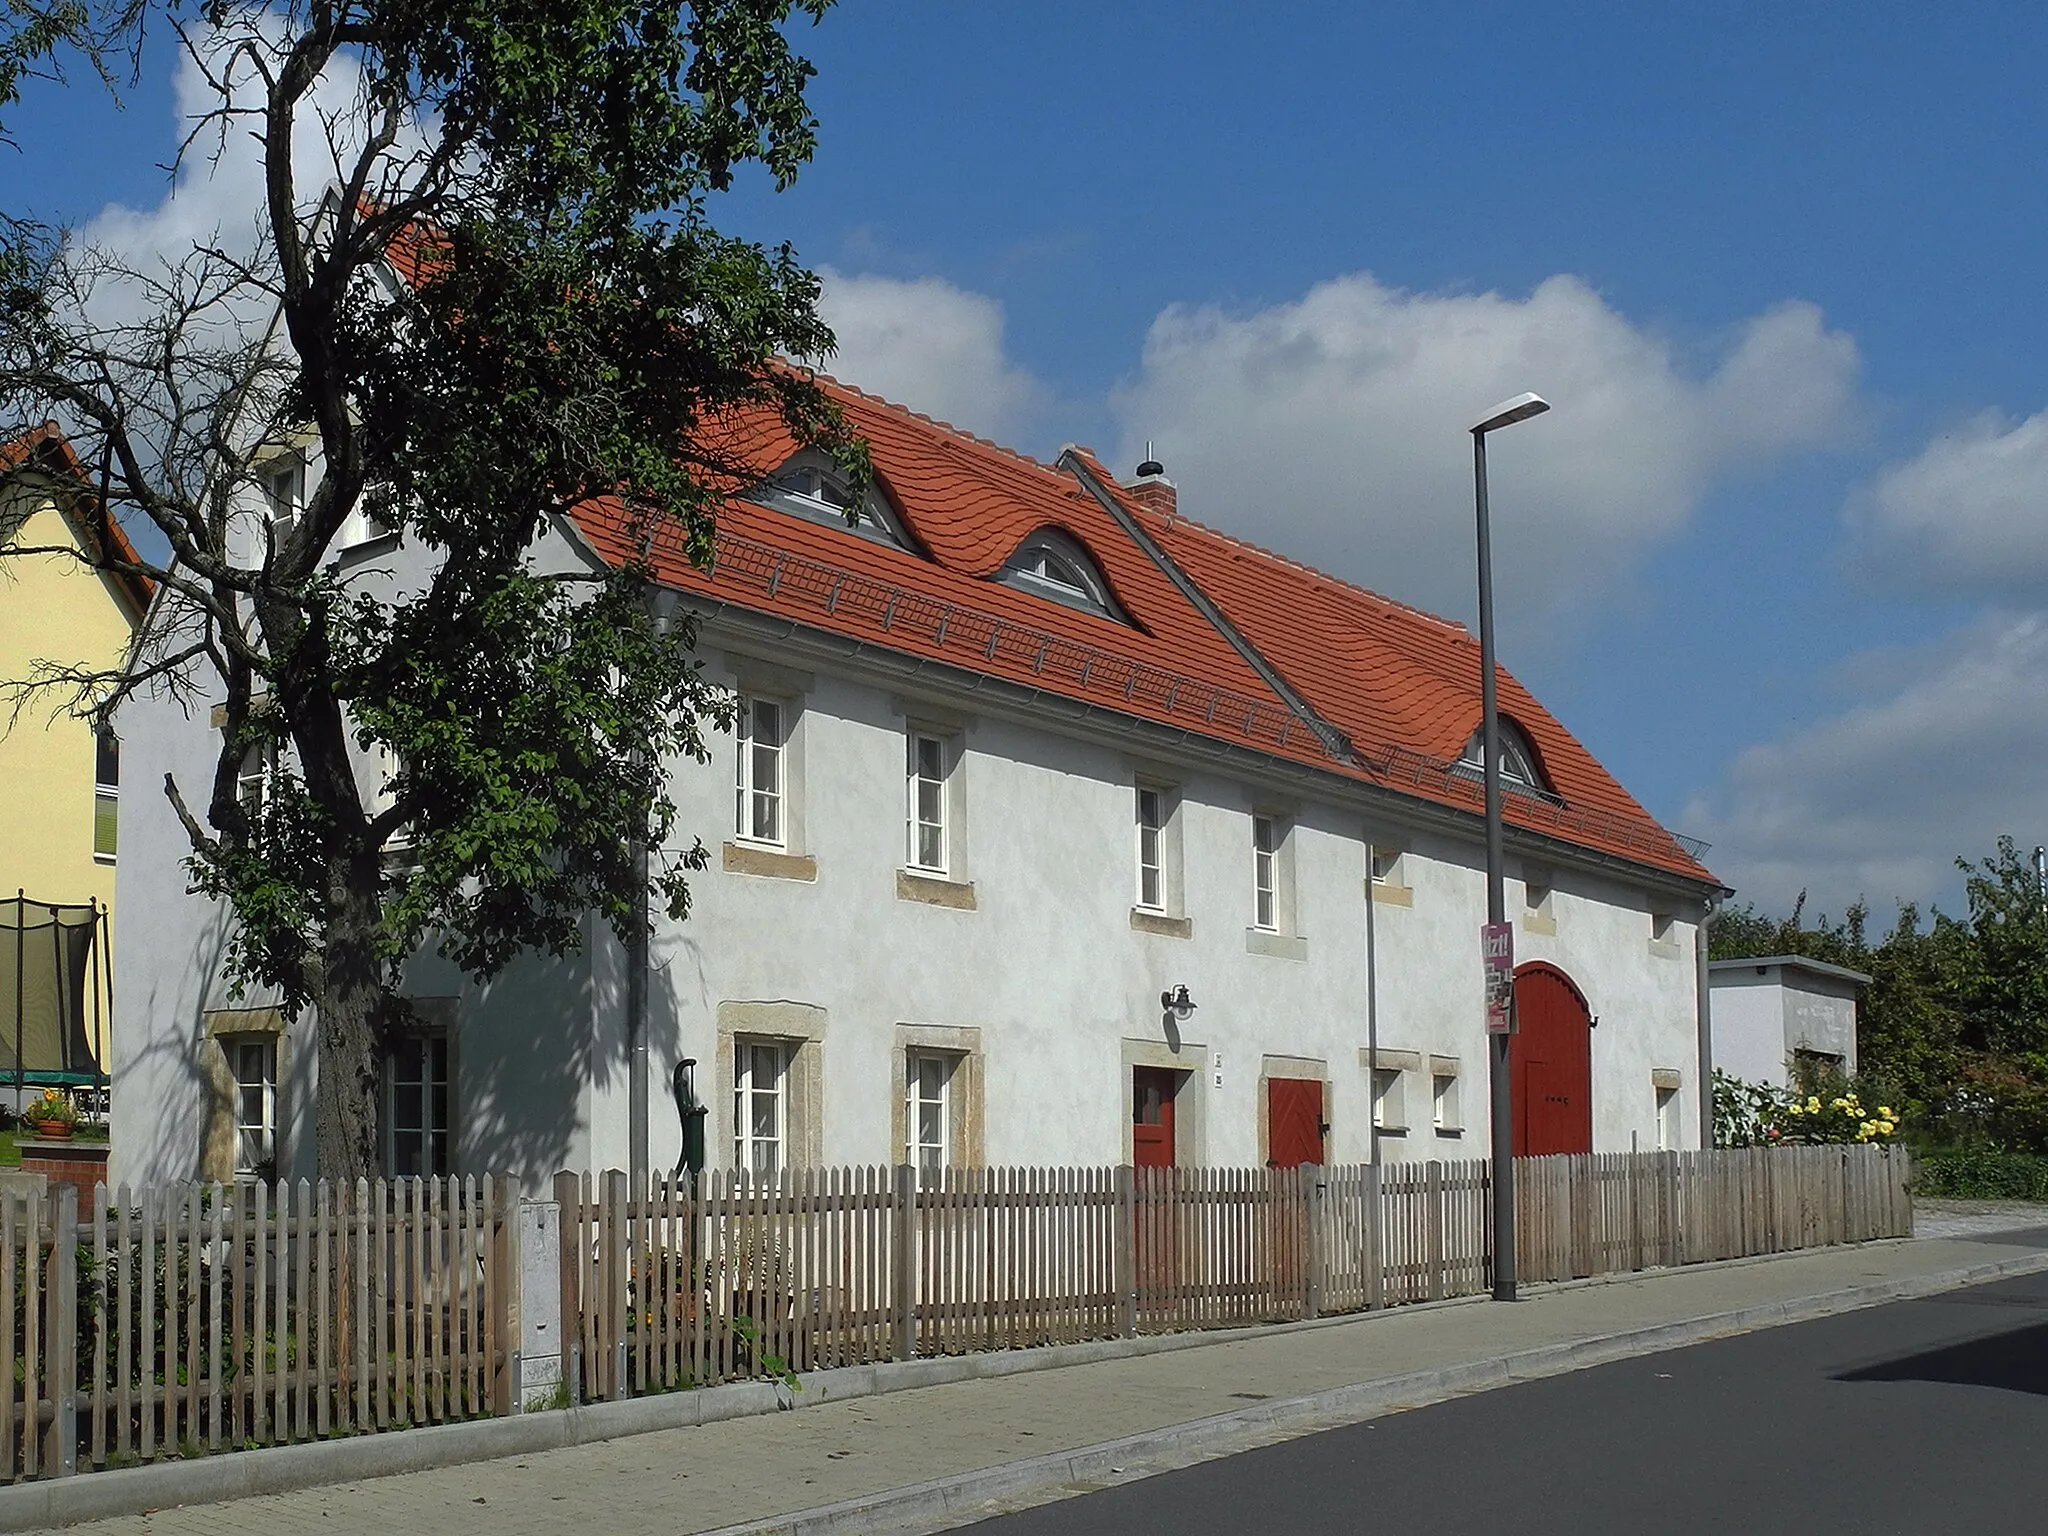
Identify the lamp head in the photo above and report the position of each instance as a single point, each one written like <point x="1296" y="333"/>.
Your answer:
<point x="1175" y="1000"/>
<point x="1508" y="412"/>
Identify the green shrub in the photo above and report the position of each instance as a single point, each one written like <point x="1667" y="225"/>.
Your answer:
<point x="1982" y="1175"/>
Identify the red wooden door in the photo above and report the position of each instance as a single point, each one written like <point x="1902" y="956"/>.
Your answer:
<point x="1152" y="1116"/>
<point x="1550" y="1063"/>
<point x="1294" y="1121"/>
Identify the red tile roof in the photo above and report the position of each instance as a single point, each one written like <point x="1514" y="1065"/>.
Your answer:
<point x="49" y="449"/>
<point x="1401" y="684"/>
<point x="1404" y="686"/>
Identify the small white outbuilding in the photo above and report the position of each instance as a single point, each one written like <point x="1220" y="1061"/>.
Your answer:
<point x="1772" y="1013"/>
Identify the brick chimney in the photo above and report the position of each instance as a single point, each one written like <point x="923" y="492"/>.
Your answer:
<point x="1151" y="489"/>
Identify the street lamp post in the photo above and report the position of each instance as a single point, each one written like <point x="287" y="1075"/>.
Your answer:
<point x="1501" y="1099"/>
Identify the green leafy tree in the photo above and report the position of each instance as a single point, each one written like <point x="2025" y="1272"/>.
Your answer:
<point x="1953" y="1028"/>
<point x="568" y="325"/>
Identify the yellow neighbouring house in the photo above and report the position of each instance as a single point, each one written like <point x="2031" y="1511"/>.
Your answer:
<point x="59" y="776"/>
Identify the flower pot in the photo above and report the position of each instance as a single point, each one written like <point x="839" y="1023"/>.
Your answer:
<point x="54" y="1130"/>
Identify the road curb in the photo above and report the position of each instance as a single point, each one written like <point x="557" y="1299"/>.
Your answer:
<point x="292" y="1468"/>
<point x="1123" y="1460"/>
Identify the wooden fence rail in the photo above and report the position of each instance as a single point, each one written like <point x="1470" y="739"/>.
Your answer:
<point x="197" y="1317"/>
<point x="191" y="1318"/>
<point x="744" y="1277"/>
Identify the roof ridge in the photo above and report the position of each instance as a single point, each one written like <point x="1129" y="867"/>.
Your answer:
<point x="950" y="428"/>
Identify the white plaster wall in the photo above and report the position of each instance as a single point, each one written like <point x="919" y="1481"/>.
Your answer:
<point x="1820" y="1015"/>
<point x="1047" y="967"/>
<point x="1749" y="1025"/>
<point x="1050" y="971"/>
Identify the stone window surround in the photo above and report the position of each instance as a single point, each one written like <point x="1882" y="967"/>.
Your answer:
<point x="1441" y="1068"/>
<point x="800" y="1028"/>
<point x="1190" y="1101"/>
<point x="1539" y="911"/>
<point x="1284" y="940"/>
<point x="1313" y="1068"/>
<point x="1393" y="1104"/>
<point x="219" y="1122"/>
<point x="754" y="678"/>
<point x="965" y="1096"/>
<point x="1390" y="889"/>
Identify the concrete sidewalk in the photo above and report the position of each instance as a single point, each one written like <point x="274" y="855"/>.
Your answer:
<point x="940" y="1455"/>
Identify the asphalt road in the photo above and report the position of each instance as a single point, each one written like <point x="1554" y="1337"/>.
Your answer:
<point x="1928" y="1417"/>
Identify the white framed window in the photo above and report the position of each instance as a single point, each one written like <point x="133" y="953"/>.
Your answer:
<point x="1520" y="769"/>
<point x="1667" y="1119"/>
<point x="1051" y="564"/>
<point x="813" y="487"/>
<point x="418" y="1125"/>
<point x="1389" y="1113"/>
<point x="1266" y="834"/>
<point x="928" y="1110"/>
<point x="252" y="783"/>
<point x="1443" y="1101"/>
<point x="253" y="1059"/>
<point x="106" y="797"/>
<point x="759" y="816"/>
<point x="925" y="814"/>
<point x="1151" y="853"/>
<point x="760" y="1110"/>
<point x="284" y="488"/>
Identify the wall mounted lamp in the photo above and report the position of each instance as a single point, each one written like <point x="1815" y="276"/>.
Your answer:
<point x="1177" y="1002"/>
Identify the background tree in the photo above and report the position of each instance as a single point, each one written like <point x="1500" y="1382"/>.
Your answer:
<point x="1953" y="1028"/>
<point x="566" y="324"/>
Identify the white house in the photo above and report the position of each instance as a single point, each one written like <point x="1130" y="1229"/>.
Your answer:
<point x="1775" y="1013"/>
<point x="1020" y="757"/>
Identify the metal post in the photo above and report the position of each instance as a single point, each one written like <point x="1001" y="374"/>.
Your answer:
<point x="1500" y="1095"/>
<point x="636" y="1011"/>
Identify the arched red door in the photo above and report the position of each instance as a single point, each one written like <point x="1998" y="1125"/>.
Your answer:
<point x="1550" y="1064"/>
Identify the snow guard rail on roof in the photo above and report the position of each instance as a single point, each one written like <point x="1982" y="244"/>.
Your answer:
<point x="1114" y="680"/>
<point x="1117" y="681"/>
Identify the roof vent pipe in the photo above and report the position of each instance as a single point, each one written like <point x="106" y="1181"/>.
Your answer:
<point x="1151" y="466"/>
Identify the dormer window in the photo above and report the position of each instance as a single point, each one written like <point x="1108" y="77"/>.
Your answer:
<point x="1518" y="762"/>
<point x="1052" y="564"/>
<point x="812" y="487"/>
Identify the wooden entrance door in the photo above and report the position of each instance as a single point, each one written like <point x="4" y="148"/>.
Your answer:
<point x="1294" y="1121"/>
<point x="1550" y="1064"/>
<point x="1152" y="1116"/>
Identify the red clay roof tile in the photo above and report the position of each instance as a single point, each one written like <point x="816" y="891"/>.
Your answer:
<point x="1401" y="683"/>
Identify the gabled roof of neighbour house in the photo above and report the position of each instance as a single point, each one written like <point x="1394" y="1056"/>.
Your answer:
<point x="47" y="449"/>
<point x="1285" y="659"/>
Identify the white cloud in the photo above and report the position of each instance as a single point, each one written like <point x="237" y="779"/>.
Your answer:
<point x="1333" y="428"/>
<point x="217" y="195"/>
<point x="931" y="346"/>
<point x="1968" y="514"/>
<point x="1879" y="799"/>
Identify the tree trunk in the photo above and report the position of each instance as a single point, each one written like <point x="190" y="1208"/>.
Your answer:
<point x="353" y="1010"/>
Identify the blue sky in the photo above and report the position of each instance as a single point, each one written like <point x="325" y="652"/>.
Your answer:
<point x="1779" y="555"/>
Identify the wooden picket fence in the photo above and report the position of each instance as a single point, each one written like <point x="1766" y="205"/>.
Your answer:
<point x="1603" y="1214"/>
<point x="198" y="1317"/>
<point x="195" y="1318"/>
<point x="744" y="1277"/>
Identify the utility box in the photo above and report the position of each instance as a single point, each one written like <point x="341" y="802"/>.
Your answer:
<point x="542" y="1338"/>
